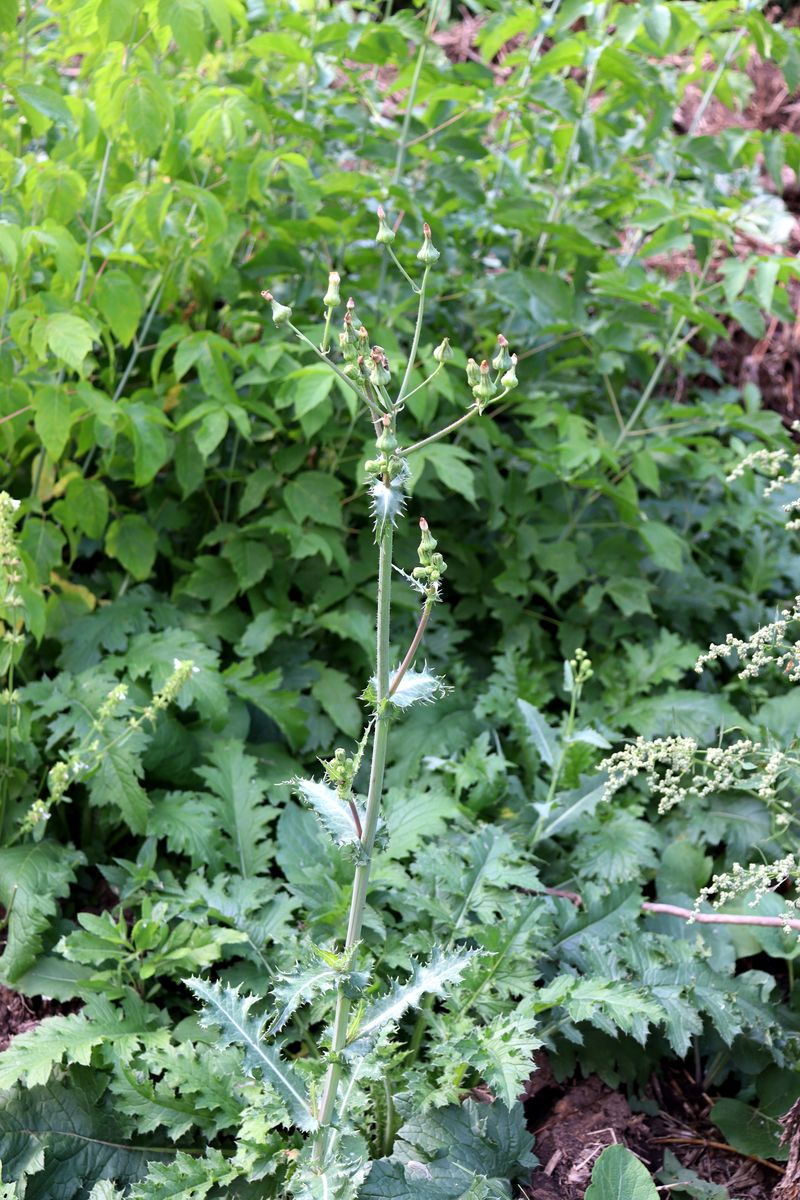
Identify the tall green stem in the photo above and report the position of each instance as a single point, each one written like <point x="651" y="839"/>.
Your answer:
<point x="361" y="880"/>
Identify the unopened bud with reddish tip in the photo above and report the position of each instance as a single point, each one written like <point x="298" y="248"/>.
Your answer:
<point x="502" y="359"/>
<point x="350" y="304"/>
<point x="427" y="253"/>
<point x="423" y="524"/>
<point x="281" y="313"/>
<point x="385" y="235"/>
<point x="484" y="389"/>
<point x="332" y="298"/>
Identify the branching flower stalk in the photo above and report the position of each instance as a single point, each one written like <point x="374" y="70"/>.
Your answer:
<point x="365" y="369"/>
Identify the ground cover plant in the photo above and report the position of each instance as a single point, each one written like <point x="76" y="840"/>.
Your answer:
<point x="188" y="599"/>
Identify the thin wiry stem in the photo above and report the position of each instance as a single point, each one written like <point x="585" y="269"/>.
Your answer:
<point x="401" y="395"/>
<point x="435" y="437"/>
<point x="513" y="113"/>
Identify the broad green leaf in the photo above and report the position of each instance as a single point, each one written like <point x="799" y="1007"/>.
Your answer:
<point x="32" y="879"/>
<point x="52" y="418"/>
<point x="132" y="541"/>
<point x="120" y="302"/>
<point x="620" y="1175"/>
<point x="70" y="338"/>
<point x="146" y="112"/>
<point x="337" y="698"/>
<point x="315" y="496"/>
<point x="62" y="1139"/>
<point x="748" y="1130"/>
<point x="444" y="1151"/>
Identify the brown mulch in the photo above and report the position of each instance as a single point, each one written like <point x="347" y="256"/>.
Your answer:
<point x="18" y="1013"/>
<point x="576" y="1120"/>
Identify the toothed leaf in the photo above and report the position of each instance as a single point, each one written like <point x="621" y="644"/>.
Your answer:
<point x="224" y="1008"/>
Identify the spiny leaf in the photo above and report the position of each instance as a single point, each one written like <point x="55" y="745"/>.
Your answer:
<point x="444" y="967"/>
<point x="388" y="503"/>
<point x="230" y="1013"/>
<point x="418" y="687"/>
<point x="334" y="814"/>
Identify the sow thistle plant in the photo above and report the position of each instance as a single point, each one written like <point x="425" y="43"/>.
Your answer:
<point x="333" y="1158"/>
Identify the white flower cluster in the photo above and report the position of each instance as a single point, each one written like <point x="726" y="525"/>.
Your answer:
<point x="769" y="645"/>
<point x="755" y="878"/>
<point x="677" y="768"/>
<point x="782" y="469"/>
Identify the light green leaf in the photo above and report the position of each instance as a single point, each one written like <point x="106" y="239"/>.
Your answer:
<point x="70" y="338"/>
<point x="619" y="1175"/>
<point x="52" y="418"/>
<point x="120" y="302"/>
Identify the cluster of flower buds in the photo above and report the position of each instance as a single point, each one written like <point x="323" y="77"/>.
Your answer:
<point x="431" y="564"/>
<point x="389" y="465"/>
<point x="361" y="360"/>
<point x="340" y="772"/>
<point x="484" y="386"/>
<point x="581" y="667"/>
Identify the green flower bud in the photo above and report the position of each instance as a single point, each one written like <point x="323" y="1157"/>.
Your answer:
<point x="332" y="298"/>
<point x="387" y="441"/>
<point x="473" y="373"/>
<point x="385" y="235"/>
<point x="281" y="313"/>
<point x="502" y="359"/>
<point x="363" y="341"/>
<point x="443" y="351"/>
<point x="484" y="388"/>
<point x="510" y="380"/>
<point x="427" y="542"/>
<point x="427" y="253"/>
<point x="349" y="332"/>
<point x="379" y="367"/>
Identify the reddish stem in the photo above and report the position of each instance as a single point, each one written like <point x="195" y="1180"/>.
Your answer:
<point x="412" y="649"/>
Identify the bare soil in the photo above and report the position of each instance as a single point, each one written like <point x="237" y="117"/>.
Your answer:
<point x="576" y="1120"/>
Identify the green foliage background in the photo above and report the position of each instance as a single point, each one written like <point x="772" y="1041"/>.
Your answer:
<point x="191" y="488"/>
